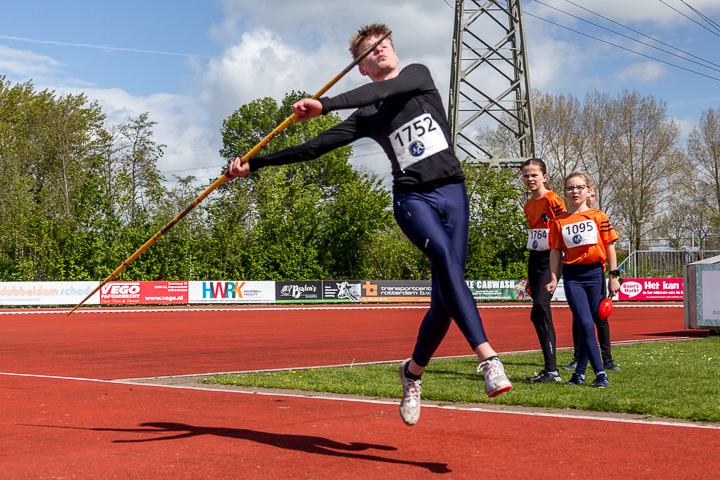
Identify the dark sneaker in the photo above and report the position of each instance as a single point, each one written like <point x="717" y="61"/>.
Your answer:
<point x="571" y="365"/>
<point x="610" y="365"/>
<point x="410" y="403"/>
<point x="496" y="381"/>
<point x="544" y="377"/>
<point x="601" y="381"/>
<point x="577" y="379"/>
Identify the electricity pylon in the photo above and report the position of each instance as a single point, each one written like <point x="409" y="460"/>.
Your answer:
<point x="489" y="81"/>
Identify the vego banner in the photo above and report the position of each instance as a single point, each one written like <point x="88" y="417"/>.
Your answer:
<point x="47" y="293"/>
<point x="232" y="292"/>
<point x="125" y="293"/>
<point x="651" y="289"/>
<point x="399" y="291"/>
<point x="298" y="292"/>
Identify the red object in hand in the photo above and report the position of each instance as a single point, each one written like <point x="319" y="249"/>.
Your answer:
<point x="605" y="309"/>
<point x="606" y="306"/>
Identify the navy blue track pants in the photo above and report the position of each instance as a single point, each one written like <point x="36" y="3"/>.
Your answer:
<point x="437" y="222"/>
<point x="583" y="290"/>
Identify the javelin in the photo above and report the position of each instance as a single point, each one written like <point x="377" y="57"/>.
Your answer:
<point x="224" y="177"/>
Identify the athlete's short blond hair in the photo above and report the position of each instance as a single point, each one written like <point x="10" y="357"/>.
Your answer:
<point x="365" y="32"/>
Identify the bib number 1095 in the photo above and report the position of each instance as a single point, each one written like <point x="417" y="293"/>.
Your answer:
<point x="580" y="233"/>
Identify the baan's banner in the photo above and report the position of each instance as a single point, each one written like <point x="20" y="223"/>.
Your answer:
<point x="299" y="292"/>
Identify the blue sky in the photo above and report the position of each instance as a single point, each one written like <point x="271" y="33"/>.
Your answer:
<point x="191" y="63"/>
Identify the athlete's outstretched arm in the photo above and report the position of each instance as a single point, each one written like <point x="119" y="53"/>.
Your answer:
<point x="413" y="78"/>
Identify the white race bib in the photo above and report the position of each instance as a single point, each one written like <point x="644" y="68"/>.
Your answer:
<point x="580" y="233"/>
<point x="417" y="139"/>
<point x="539" y="239"/>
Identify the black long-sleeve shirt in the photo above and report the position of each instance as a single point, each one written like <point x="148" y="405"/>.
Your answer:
<point x="404" y="115"/>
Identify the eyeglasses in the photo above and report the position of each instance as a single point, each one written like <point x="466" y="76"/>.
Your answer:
<point x="579" y="188"/>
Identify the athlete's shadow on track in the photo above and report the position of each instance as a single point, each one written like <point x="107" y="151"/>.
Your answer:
<point x="301" y="443"/>
<point x="681" y="334"/>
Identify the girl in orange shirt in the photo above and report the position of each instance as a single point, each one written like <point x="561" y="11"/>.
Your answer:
<point x="583" y="239"/>
<point x="602" y="325"/>
<point x="539" y="210"/>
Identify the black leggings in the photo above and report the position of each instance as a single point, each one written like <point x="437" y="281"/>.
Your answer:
<point x="541" y="315"/>
<point x="437" y="222"/>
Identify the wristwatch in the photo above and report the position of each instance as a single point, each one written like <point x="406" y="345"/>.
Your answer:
<point x="615" y="273"/>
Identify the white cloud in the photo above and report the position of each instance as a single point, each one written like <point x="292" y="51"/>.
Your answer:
<point x="270" y="48"/>
<point x="25" y="63"/>
<point x="261" y="65"/>
<point x="642" y="72"/>
<point x="181" y="125"/>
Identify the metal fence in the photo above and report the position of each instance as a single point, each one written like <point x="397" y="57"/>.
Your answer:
<point x="661" y="264"/>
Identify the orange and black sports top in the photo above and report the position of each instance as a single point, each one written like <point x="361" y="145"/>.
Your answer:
<point x="582" y="236"/>
<point x="538" y="213"/>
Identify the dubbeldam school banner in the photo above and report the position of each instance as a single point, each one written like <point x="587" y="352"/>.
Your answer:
<point x="271" y="292"/>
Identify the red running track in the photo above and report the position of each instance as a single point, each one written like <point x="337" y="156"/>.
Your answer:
<point x="84" y="427"/>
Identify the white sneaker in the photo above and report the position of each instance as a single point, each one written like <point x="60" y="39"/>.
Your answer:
<point x="410" y="403"/>
<point x="496" y="381"/>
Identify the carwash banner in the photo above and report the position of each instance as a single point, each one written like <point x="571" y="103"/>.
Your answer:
<point x="639" y="289"/>
<point x="134" y="293"/>
<point x="508" y="290"/>
<point x="494" y="290"/>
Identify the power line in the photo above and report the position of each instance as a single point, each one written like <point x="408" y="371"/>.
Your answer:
<point x="624" y="48"/>
<point x="691" y="19"/>
<point x="701" y="15"/>
<point x="632" y="30"/>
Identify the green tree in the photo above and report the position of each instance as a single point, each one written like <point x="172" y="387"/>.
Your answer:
<point x="702" y="179"/>
<point x="47" y="144"/>
<point x="498" y="231"/>
<point x="307" y="220"/>
<point x="649" y="163"/>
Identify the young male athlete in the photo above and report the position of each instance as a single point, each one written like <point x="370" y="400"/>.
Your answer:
<point x="402" y="111"/>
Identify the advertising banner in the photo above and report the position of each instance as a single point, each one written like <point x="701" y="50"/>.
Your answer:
<point x="135" y="293"/>
<point x="708" y="287"/>
<point x="639" y="289"/>
<point x="494" y="290"/>
<point x="298" y="292"/>
<point x="47" y="293"/>
<point x="232" y="292"/>
<point x="341" y="291"/>
<point x="398" y="291"/>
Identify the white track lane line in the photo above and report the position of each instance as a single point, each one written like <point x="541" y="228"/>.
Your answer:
<point x="256" y="308"/>
<point x="507" y="410"/>
<point x="343" y="399"/>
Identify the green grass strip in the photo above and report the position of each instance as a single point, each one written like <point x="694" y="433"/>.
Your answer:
<point x="678" y="379"/>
